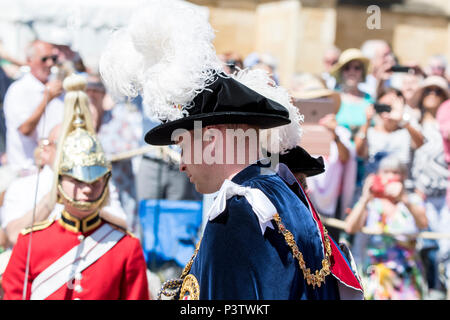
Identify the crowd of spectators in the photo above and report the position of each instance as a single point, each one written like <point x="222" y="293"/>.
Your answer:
<point x="390" y="112"/>
<point x="387" y="167"/>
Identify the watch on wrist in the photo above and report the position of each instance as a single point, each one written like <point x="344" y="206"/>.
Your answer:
<point x="405" y="120"/>
<point x="361" y="135"/>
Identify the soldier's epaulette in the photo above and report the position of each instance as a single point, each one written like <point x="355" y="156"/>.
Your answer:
<point x="37" y="226"/>
<point x="120" y="228"/>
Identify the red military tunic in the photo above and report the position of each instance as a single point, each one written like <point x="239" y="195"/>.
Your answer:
<point x="119" y="274"/>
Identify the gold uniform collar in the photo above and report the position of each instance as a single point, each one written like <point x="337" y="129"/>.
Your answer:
<point x="74" y="224"/>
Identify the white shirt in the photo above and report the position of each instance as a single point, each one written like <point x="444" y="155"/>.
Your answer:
<point x="397" y="143"/>
<point x="369" y="86"/>
<point x="21" y="99"/>
<point x="19" y="197"/>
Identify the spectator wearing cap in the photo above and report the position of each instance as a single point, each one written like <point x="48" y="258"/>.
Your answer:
<point x="32" y="105"/>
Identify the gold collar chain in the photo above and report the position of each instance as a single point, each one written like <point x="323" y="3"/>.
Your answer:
<point x="315" y="279"/>
<point x="318" y="277"/>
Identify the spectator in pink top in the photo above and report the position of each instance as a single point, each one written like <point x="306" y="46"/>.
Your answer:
<point x="443" y="118"/>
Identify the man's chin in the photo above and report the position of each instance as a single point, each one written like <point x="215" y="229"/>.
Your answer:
<point x="206" y="189"/>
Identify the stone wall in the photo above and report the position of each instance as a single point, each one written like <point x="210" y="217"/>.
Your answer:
<point x="414" y="37"/>
<point x="297" y="32"/>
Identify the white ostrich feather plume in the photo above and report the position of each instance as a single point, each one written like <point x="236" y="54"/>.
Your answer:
<point x="165" y="54"/>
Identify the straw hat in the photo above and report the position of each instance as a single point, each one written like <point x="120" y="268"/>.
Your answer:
<point x="347" y="56"/>
<point x="308" y="86"/>
<point x="431" y="81"/>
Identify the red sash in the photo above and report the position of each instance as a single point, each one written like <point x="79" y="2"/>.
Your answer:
<point x="339" y="266"/>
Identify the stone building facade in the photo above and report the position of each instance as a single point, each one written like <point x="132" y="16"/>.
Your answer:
<point x="297" y="32"/>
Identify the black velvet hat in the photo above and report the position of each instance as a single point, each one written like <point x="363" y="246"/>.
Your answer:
<point x="225" y="101"/>
<point x="299" y="160"/>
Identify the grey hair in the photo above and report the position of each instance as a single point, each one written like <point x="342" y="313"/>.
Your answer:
<point x="442" y="59"/>
<point x="393" y="163"/>
<point x="368" y="48"/>
<point x="30" y="49"/>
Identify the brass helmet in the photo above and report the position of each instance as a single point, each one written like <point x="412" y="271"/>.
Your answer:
<point x="79" y="153"/>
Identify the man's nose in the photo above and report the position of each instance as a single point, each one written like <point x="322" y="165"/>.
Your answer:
<point x="50" y="63"/>
<point x="86" y="188"/>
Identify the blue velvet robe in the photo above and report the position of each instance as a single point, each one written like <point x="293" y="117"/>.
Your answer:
<point x="235" y="261"/>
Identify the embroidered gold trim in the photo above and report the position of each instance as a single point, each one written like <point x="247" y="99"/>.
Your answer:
<point x="315" y="279"/>
<point x="171" y="288"/>
<point x="190" y="288"/>
<point x="37" y="226"/>
<point x="318" y="277"/>
<point x="188" y="266"/>
<point x="80" y="225"/>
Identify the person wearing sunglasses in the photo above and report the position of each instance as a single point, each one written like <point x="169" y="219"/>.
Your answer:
<point x="32" y="105"/>
<point x="350" y="71"/>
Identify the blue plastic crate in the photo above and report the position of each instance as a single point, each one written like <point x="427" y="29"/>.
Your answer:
<point x="170" y="229"/>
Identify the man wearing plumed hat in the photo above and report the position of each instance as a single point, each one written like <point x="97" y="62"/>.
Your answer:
<point x="262" y="240"/>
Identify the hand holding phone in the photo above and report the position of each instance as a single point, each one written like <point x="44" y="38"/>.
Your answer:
<point x="400" y="68"/>
<point x="381" y="107"/>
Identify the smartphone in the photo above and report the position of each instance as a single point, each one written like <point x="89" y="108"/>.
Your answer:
<point x="381" y="107"/>
<point x="314" y="109"/>
<point x="399" y="68"/>
<point x="316" y="139"/>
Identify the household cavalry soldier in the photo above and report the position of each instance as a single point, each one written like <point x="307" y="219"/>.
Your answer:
<point x="79" y="255"/>
<point x="263" y="240"/>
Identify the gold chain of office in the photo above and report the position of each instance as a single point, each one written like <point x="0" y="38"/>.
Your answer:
<point x="314" y="279"/>
<point x="318" y="277"/>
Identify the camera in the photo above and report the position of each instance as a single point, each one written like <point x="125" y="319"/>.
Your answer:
<point x="399" y="68"/>
<point x="381" y="107"/>
<point x="379" y="185"/>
